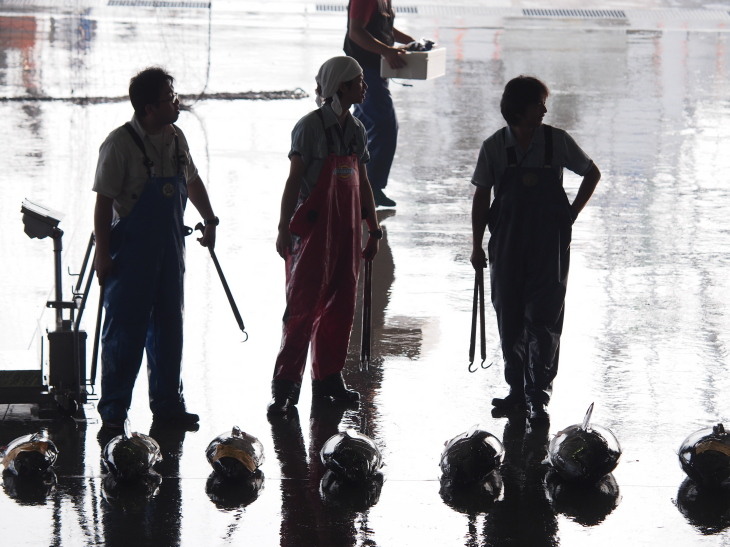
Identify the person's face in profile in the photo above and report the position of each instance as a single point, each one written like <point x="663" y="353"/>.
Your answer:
<point x="167" y="108"/>
<point x="353" y="92"/>
<point x="534" y="113"/>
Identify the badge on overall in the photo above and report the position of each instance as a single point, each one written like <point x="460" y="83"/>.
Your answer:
<point x="529" y="179"/>
<point x="168" y="189"/>
<point x="344" y="171"/>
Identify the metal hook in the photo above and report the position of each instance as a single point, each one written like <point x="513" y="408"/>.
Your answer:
<point x="481" y="365"/>
<point x="234" y="308"/>
<point x="478" y="311"/>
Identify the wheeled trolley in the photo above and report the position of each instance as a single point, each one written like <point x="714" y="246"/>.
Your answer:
<point x="62" y="385"/>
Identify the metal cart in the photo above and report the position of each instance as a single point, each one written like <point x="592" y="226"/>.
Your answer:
<point x="61" y="385"/>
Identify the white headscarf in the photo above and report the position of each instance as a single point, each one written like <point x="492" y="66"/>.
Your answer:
<point x="331" y="74"/>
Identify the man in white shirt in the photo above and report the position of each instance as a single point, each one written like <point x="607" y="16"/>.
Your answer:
<point x="144" y="176"/>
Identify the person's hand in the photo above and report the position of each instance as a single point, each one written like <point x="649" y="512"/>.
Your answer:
<point x="395" y="57"/>
<point x="371" y="248"/>
<point x="208" y="238"/>
<point x="478" y="258"/>
<point x="103" y="265"/>
<point x="283" y="242"/>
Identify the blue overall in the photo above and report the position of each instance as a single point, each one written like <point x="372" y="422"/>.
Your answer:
<point x="143" y="299"/>
<point x="530" y="222"/>
<point x="377" y="114"/>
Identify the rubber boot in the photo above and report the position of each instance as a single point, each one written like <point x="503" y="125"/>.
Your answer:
<point x="334" y="387"/>
<point x="285" y="396"/>
<point x="514" y="401"/>
<point x="537" y="411"/>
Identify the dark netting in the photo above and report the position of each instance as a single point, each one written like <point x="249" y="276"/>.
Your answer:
<point x="68" y="36"/>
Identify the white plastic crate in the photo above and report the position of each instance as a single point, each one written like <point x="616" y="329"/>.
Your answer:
<point x="420" y="65"/>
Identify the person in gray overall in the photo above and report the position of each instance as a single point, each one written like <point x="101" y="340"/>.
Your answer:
<point x="530" y="222"/>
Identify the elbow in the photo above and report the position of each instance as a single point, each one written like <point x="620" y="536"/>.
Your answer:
<point x="356" y="31"/>
<point x="482" y="197"/>
<point x="596" y="173"/>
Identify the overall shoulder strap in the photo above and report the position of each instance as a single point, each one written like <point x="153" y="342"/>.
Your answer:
<point x="327" y="132"/>
<point x="138" y="141"/>
<point x="178" y="156"/>
<point x="353" y="141"/>
<point x="548" y="146"/>
<point x="511" y="154"/>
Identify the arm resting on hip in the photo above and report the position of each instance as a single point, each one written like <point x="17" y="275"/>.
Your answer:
<point x="585" y="191"/>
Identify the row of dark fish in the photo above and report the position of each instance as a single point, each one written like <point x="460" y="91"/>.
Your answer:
<point x="583" y="454"/>
<point x="577" y="480"/>
<point x="235" y="457"/>
<point x="132" y="455"/>
<point x="131" y="480"/>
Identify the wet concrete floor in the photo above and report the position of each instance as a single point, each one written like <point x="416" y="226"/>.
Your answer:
<point x="647" y="314"/>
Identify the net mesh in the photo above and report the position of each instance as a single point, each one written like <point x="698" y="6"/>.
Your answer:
<point x="85" y="52"/>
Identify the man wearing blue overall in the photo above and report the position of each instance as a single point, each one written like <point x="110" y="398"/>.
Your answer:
<point x="144" y="176"/>
<point x="370" y="36"/>
<point x="530" y="223"/>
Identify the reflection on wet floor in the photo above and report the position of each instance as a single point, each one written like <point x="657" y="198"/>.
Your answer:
<point x="306" y="519"/>
<point x="517" y="505"/>
<point x="646" y="318"/>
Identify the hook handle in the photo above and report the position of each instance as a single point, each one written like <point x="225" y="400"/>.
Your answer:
<point x="229" y="295"/>
<point x="478" y="308"/>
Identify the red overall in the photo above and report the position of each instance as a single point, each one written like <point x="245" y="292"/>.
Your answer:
<point x="322" y="271"/>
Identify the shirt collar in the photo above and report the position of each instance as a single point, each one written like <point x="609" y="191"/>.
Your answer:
<point x="537" y="138"/>
<point x="330" y="118"/>
<point x="168" y="130"/>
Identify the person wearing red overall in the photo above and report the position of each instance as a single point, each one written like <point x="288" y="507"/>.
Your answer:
<point x="530" y="223"/>
<point x="326" y="197"/>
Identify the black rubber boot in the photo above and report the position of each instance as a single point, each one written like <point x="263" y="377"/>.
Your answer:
<point x="334" y="387"/>
<point x="538" y="412"/>
<point x="513" y="401"/>
<point x="185" y="421"/>
<point x="285" y="396"/>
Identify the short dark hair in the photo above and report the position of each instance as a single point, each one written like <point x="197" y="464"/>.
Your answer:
<point x="518" y="94"/>
<point x="145" y="87"/>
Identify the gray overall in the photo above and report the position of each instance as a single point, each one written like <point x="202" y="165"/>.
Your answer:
<point x="530" y="224"/>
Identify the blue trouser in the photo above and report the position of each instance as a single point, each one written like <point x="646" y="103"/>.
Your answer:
<point x="143" y="301"/>
<point x="378" y="116"/>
